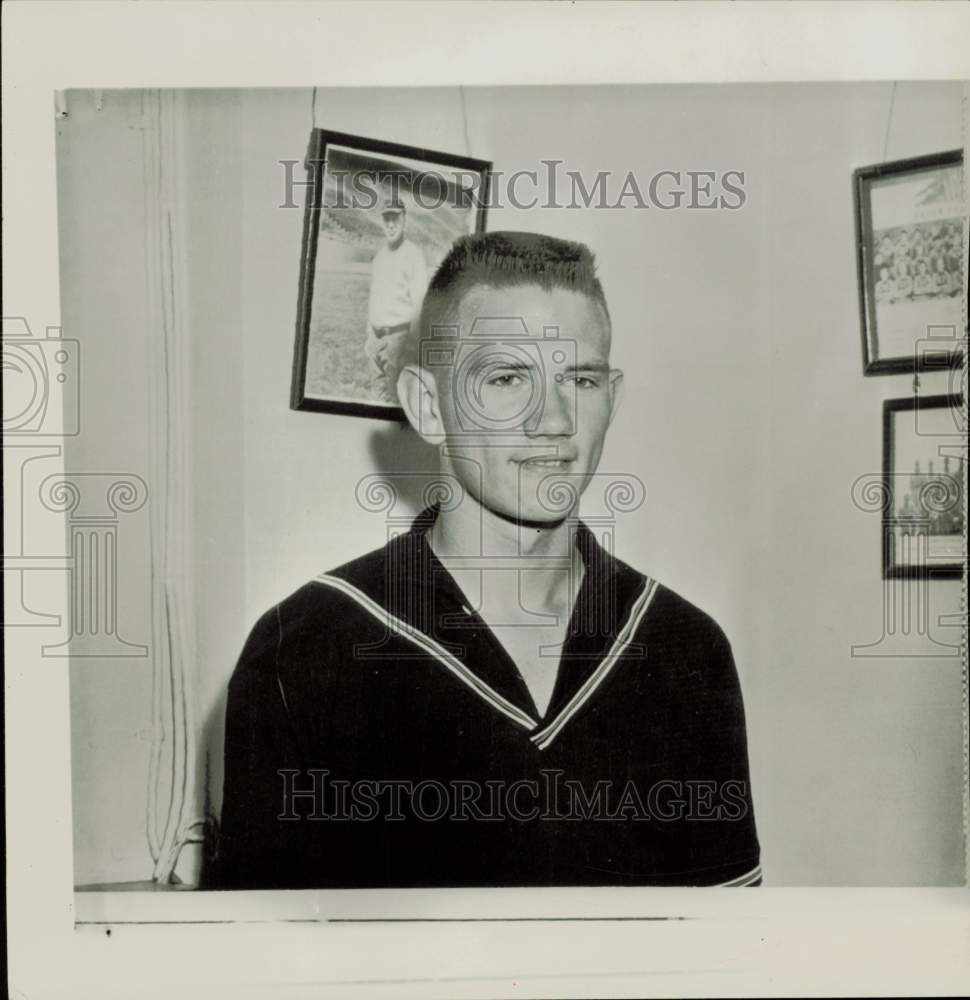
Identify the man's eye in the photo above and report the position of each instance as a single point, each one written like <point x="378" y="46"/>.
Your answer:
<point x="586" y="381"/>
<point x="504" y="379"/>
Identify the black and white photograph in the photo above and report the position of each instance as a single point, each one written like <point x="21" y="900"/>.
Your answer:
<point x="379" y="219"/>
<point x="924" y="453"/>
<point x="531" y="633"/>
<point x="912" y="256"/>
<point x="452" y="547"/>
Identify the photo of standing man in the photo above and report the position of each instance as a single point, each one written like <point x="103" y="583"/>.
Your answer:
<point x="399" y="279"/>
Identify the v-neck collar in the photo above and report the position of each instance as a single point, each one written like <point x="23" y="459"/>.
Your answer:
<point x="413" y="593"/>
<point x="606" y="594"/>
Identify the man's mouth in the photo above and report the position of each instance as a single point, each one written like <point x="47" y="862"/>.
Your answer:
<point x="547" y="462"/>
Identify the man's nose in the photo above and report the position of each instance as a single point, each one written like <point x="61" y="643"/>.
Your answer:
<point x="555" y="412"/>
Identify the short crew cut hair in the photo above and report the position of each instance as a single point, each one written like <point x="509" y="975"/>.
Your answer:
<point x="505" y="260"/>
<point x="501" y="260"/>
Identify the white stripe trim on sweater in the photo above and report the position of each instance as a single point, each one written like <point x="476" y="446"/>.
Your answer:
<point x="545" y="736"/>
<point x="746" y="879"/>
<point x="429" y="645"/>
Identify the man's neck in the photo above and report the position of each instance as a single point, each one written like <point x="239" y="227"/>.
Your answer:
<point x="474" y="544"/>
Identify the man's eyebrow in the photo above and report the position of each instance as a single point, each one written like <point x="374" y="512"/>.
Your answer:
<point x="600" y="367"/>
<point x="502" y="361"/>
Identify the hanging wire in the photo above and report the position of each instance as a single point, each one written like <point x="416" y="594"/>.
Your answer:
<point x="889" y="122"/>
<point x="313" y="108"/>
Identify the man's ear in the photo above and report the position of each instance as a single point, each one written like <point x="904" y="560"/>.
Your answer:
<point x="418" y="393"/>
<point x="616" y="391"/>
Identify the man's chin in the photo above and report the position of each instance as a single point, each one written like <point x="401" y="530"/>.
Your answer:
<point x="532" y="515"/>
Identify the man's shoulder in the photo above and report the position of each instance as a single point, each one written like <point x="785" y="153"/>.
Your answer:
<point x="655" y="614"/>
<point x="685" y="648"/>
<point x="673" y="620"/>
<point x="319" y="609"/>
<point x="366" y="575"/>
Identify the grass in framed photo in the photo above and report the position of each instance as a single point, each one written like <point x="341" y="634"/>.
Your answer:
<point x="924" y="457"/>
<point x="911" y="257"/>
<point x="379" y="219"/>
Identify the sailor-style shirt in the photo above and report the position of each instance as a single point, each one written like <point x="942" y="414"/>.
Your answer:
<point x="379" y="735"/>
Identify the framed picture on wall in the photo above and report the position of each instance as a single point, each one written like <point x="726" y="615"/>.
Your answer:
<point x="909" y="217"/>
<point x="379" y="219"/>
<point x="924" y="452"/>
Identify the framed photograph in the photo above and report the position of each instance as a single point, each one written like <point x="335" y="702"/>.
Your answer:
<point x="911" y="258"/>
<point x="379" y="219"/>
<point x="924" y="451"/>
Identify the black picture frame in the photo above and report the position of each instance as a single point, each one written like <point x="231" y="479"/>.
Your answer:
<point x="915" y="500"/>
<point x="465" y="178"/>
<point x="922" y="314"/>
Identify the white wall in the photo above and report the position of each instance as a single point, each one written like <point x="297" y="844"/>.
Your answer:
<point x="746" y="414"/>
<point x="101" y="212"/>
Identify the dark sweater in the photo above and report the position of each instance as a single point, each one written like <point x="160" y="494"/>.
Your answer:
<point x="378" y="735"/>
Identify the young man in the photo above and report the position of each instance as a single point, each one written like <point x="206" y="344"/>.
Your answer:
<point x="492" y="698"/>
<point x="399" y="277"/>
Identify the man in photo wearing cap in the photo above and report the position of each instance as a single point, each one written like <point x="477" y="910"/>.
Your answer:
<point x="399" y="278"/>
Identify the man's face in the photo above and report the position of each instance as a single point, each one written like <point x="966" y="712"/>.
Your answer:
<point x="528" y="398"/>
<point x="393" y="226"/>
